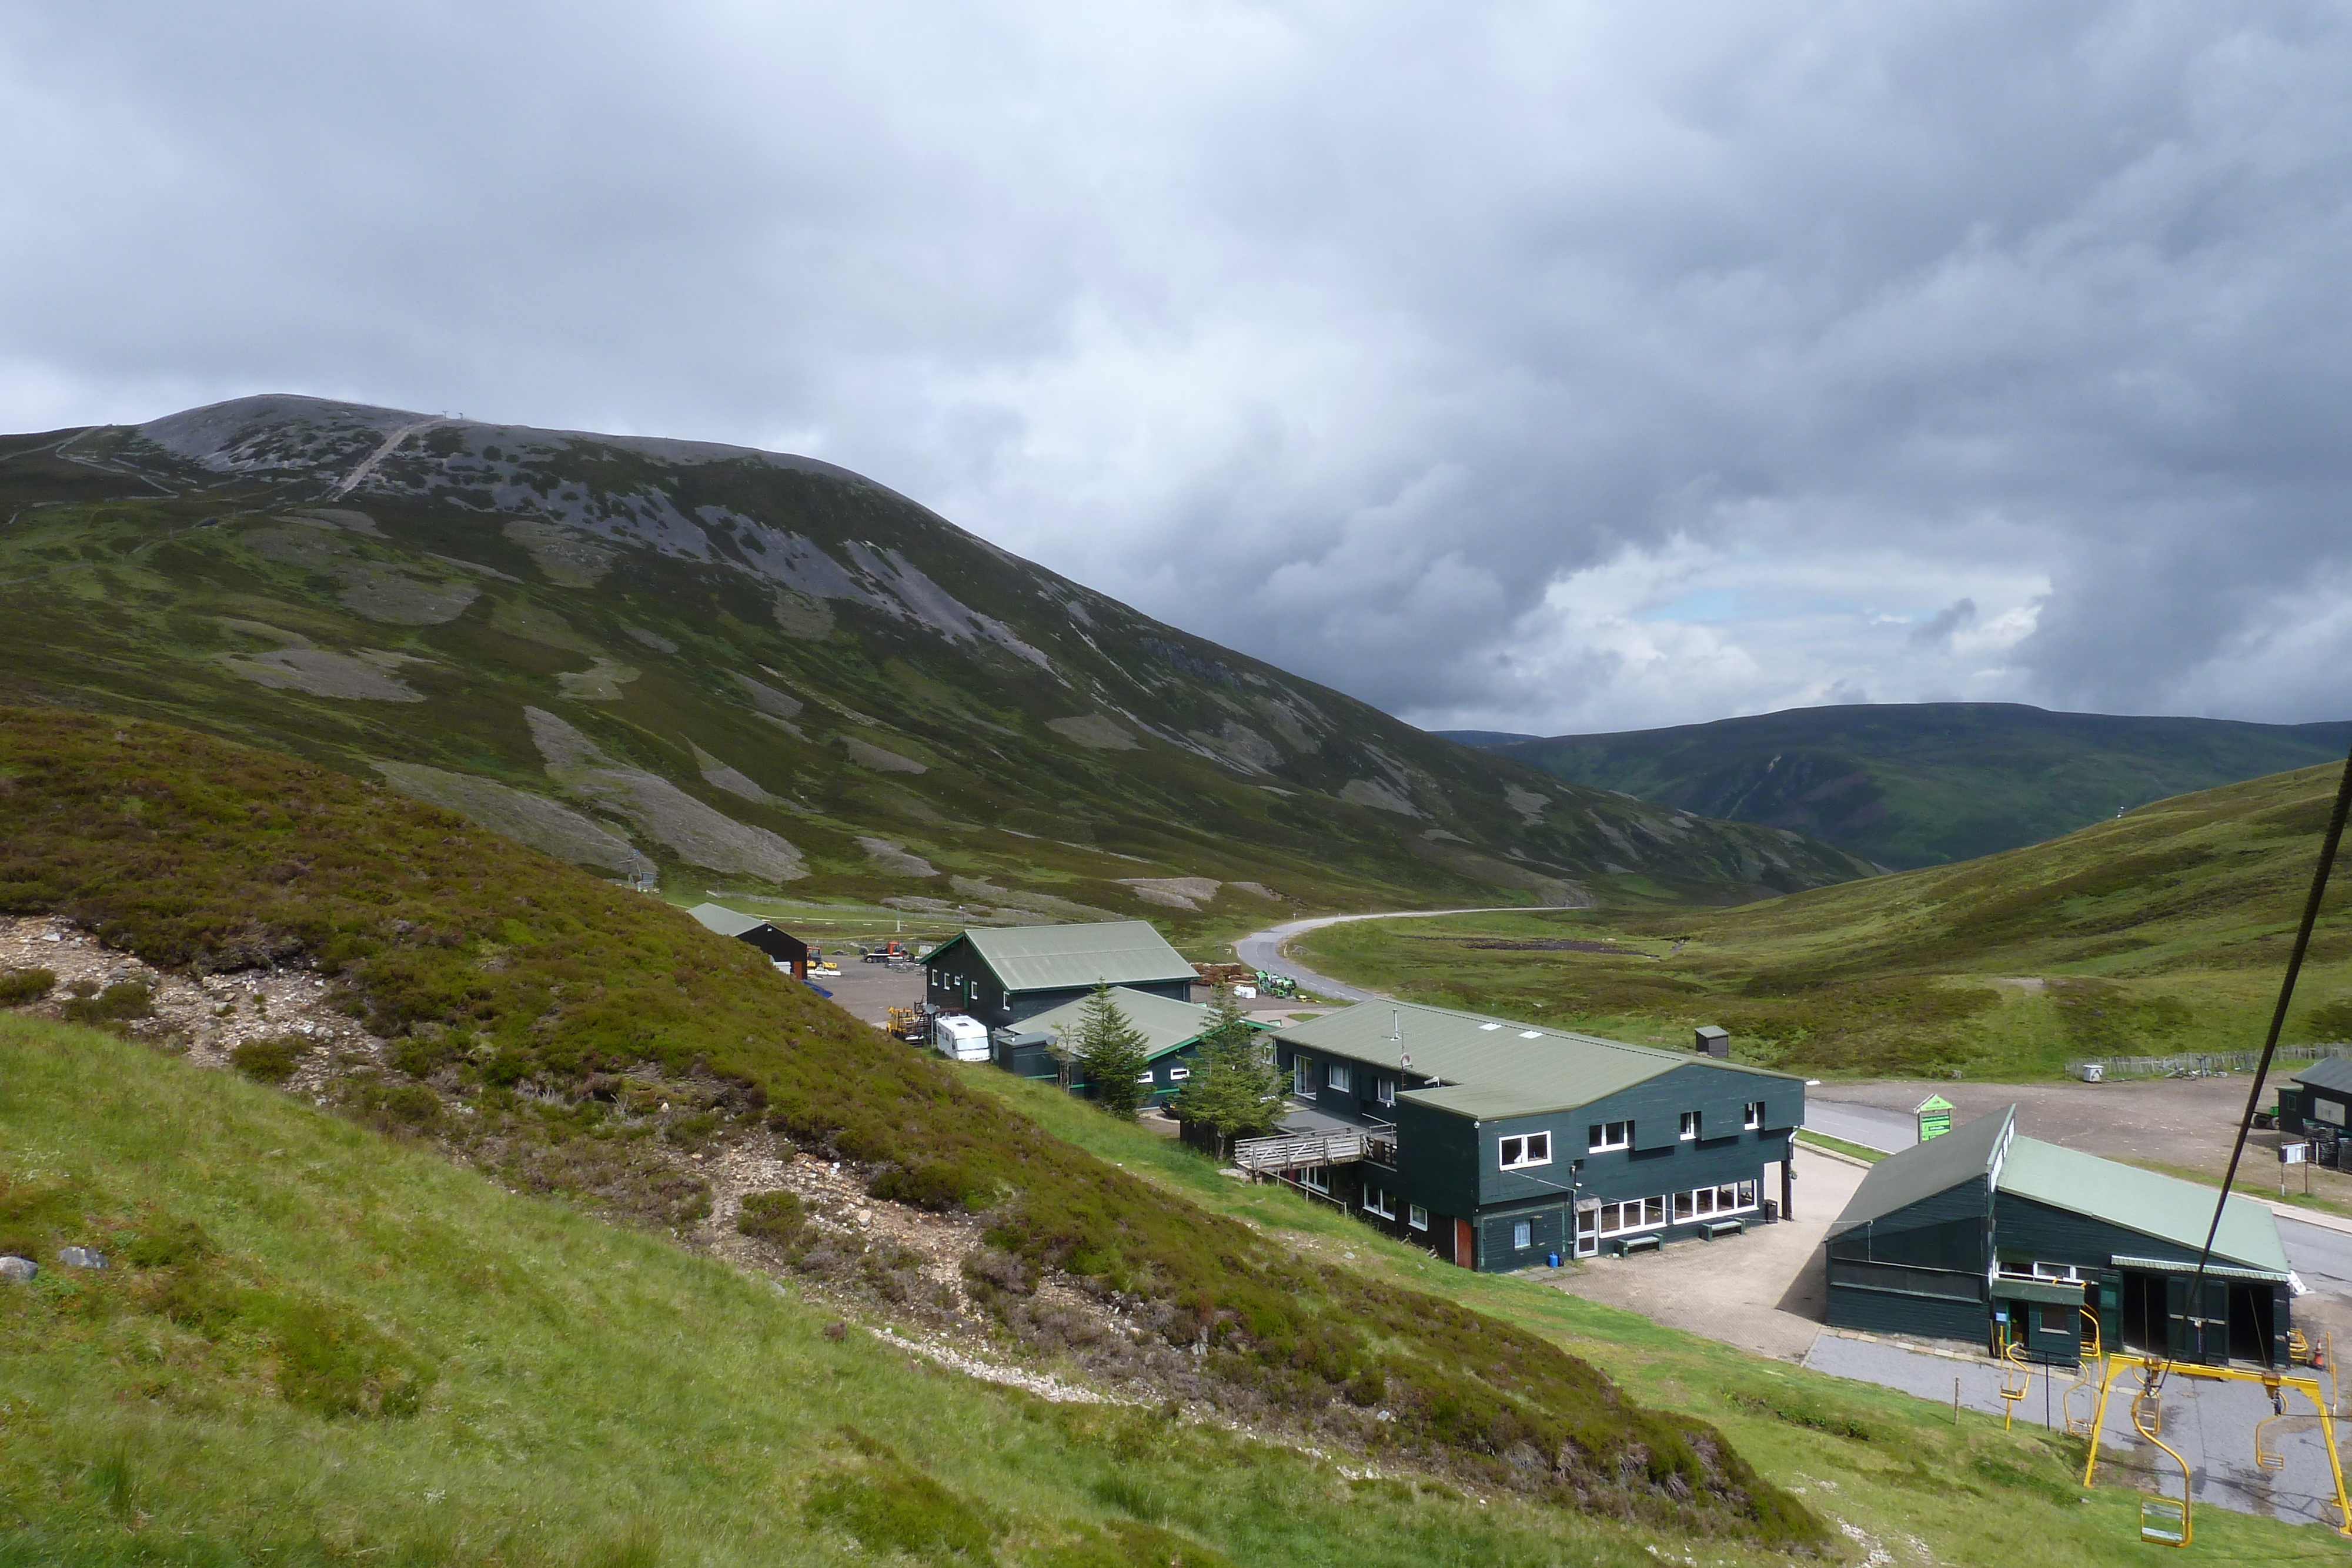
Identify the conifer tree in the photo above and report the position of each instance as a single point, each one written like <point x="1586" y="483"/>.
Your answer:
<point x="1113" y="1052"/>
<point x="1235" y="1090"/>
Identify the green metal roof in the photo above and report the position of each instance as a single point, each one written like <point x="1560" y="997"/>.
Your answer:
<point x="1056" y="958"/>
<point x="1492" y="1068"/>
<point x="2160" y="1206"/>
<point x="1923" y="1170"/>
<point x="2328" y="1073"/>
<point x="725" y="921"/>
<point x="2118" y="1194"/>
<point x="1165" y="1024"/>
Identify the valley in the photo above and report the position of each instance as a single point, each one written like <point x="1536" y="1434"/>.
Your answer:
<point x="1920" y="784"/>
<point x="2161" y="932"/>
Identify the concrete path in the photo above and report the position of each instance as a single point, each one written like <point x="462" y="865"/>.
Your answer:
<point x="2211" y="1425"/>
<point x="1764" y="1291"/>
<point x="1263" y="949"/>
<point x="390" y="443"/>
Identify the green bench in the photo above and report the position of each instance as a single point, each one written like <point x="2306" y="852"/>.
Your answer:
<point x="1716" y="1228"/>
<point x="1633" y="1244"/>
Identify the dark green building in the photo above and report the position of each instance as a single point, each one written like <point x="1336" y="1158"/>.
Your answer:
<point x="1986" y="1236"/>
<point x="2317" y="1100"/>
<point x="1005" y="975"/>
<point x="1498" y="1144"/>
<point x="1172" y="1032"/>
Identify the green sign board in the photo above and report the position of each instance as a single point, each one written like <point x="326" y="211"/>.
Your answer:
<point x="1934" y="1113"/>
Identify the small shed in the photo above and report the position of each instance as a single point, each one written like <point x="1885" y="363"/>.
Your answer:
<point x="783" y="949"/>
<point x="1712" y="1039"/>
<point x="2320" y="1099"/>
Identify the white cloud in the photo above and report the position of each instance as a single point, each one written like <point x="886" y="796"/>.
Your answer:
<point x="1556" y="366"/>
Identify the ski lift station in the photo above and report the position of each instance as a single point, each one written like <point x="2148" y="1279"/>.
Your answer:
<point x="1989" y="1237"/>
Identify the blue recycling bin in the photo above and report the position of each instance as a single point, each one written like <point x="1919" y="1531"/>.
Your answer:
<point x="1551" y="1260"/>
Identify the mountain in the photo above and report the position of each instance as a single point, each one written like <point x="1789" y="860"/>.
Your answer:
<point x="2161" y="932"/>
<point x="680" y="663"/>
<point x="1915" y="784"/>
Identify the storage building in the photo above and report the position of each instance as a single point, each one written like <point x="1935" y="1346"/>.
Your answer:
<point x="1171" y="1031"/>
<point x="1986" y="1236"/>
<point x="1497" y="1145"/>
<point x="783" y="949"/>
<point x="1004" y="975"/>
<point x="2316" y="1101"/>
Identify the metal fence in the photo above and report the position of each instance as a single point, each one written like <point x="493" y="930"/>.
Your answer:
<point x="2193" y="1063"/>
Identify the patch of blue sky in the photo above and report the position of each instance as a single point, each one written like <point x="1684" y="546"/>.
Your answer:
<point x="1704" y="604"/>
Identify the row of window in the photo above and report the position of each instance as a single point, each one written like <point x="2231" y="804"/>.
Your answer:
<point x="1649" y="1213"/>
<point x="1338" y="1075"/>
<point x="1601" y="1137"/>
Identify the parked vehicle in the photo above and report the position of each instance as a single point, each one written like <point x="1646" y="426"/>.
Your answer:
<point x="960" y="1038"/>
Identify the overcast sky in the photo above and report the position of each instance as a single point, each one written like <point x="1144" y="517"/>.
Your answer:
<point x="1537" y="367"/>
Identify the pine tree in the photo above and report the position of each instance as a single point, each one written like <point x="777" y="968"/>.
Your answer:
<point x="1113" y="1052"/>
<point x="1235" y="1090"/>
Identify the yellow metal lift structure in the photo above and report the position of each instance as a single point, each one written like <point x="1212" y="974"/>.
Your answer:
<point x="2160" y="1521"/>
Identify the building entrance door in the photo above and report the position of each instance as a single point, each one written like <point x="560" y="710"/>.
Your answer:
<point x="1588" y="1232"/>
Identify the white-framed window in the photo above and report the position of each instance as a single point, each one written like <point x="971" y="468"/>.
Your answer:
<point x="1618" y="1218"/>
<point x="1302" y="1076"/>
<point x="1376" y="1201"/>
<point x="1689" y="1129"/>
<point x="1706" y="1202"/>
<point x="1178" y="1074"/>
<point x="1337" y="1075"/>
<point x="1384" y="1091"/>
<point x="1526" y="1149"/>
<point x="2065" y="1271"/>
<point x="1523" y="1235"/>
<point x="1602" y="1136"/>
<point x="1751" y="1114"/>
<point x="1317" y="1178"/>
<point x="1416" y="1217"/>
<point x="1143" y="1078"/>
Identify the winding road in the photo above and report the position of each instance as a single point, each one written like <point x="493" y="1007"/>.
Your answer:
<point x="1263" y="949"/>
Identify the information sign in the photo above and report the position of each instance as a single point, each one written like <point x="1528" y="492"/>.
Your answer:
<point x="1934" y="1113"/>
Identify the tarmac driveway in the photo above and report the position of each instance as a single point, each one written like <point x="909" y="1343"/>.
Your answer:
<point x="1764" y="1291"/>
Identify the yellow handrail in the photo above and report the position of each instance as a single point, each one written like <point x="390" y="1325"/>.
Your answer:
<point x="2011" y="1393"/>
<point x="2161" y="1506"/>
<point x="2091" y="1365"/>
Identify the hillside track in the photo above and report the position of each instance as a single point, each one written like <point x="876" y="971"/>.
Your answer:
<point x="1264" y="949"/>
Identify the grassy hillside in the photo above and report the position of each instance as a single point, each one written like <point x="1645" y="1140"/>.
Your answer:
<point x="2165" y="930"/>
<point x="724" y="668"/>
<point x="593" y="1397"/>
<point x="535" y="1016"/>
<point x="1925" y="783"/>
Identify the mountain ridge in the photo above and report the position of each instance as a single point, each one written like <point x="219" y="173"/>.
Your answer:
<point x="1915" y="784"/>
<point x="677" y="658"/>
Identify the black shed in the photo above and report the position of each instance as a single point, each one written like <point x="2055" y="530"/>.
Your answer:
<point x="2320" y="1099"/>
<point x="783" y="949"/>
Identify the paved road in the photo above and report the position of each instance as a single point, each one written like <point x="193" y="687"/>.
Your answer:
<point x="2211" y="1424"/>
<point x="1865" y="1124"/>
<point x="1263" y="949"/>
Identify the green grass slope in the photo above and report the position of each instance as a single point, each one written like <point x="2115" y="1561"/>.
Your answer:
<point x="1925" y="783"/>
<point x="526" y="991"/>
<point x="2163" y="931"/>
<point x="736" y="669"/>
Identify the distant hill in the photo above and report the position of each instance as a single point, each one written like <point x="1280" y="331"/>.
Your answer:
<point x="705" y="665"/>
<point x="2161" y="932"/>
<point x="1916" y="784"/>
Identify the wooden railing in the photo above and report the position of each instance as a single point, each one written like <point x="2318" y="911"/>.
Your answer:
<point x="1304" y="1151"/>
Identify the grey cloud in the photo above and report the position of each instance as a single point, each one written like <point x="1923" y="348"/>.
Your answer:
<point x="1469" y="347"/>
<point x="1937" y="633"/>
